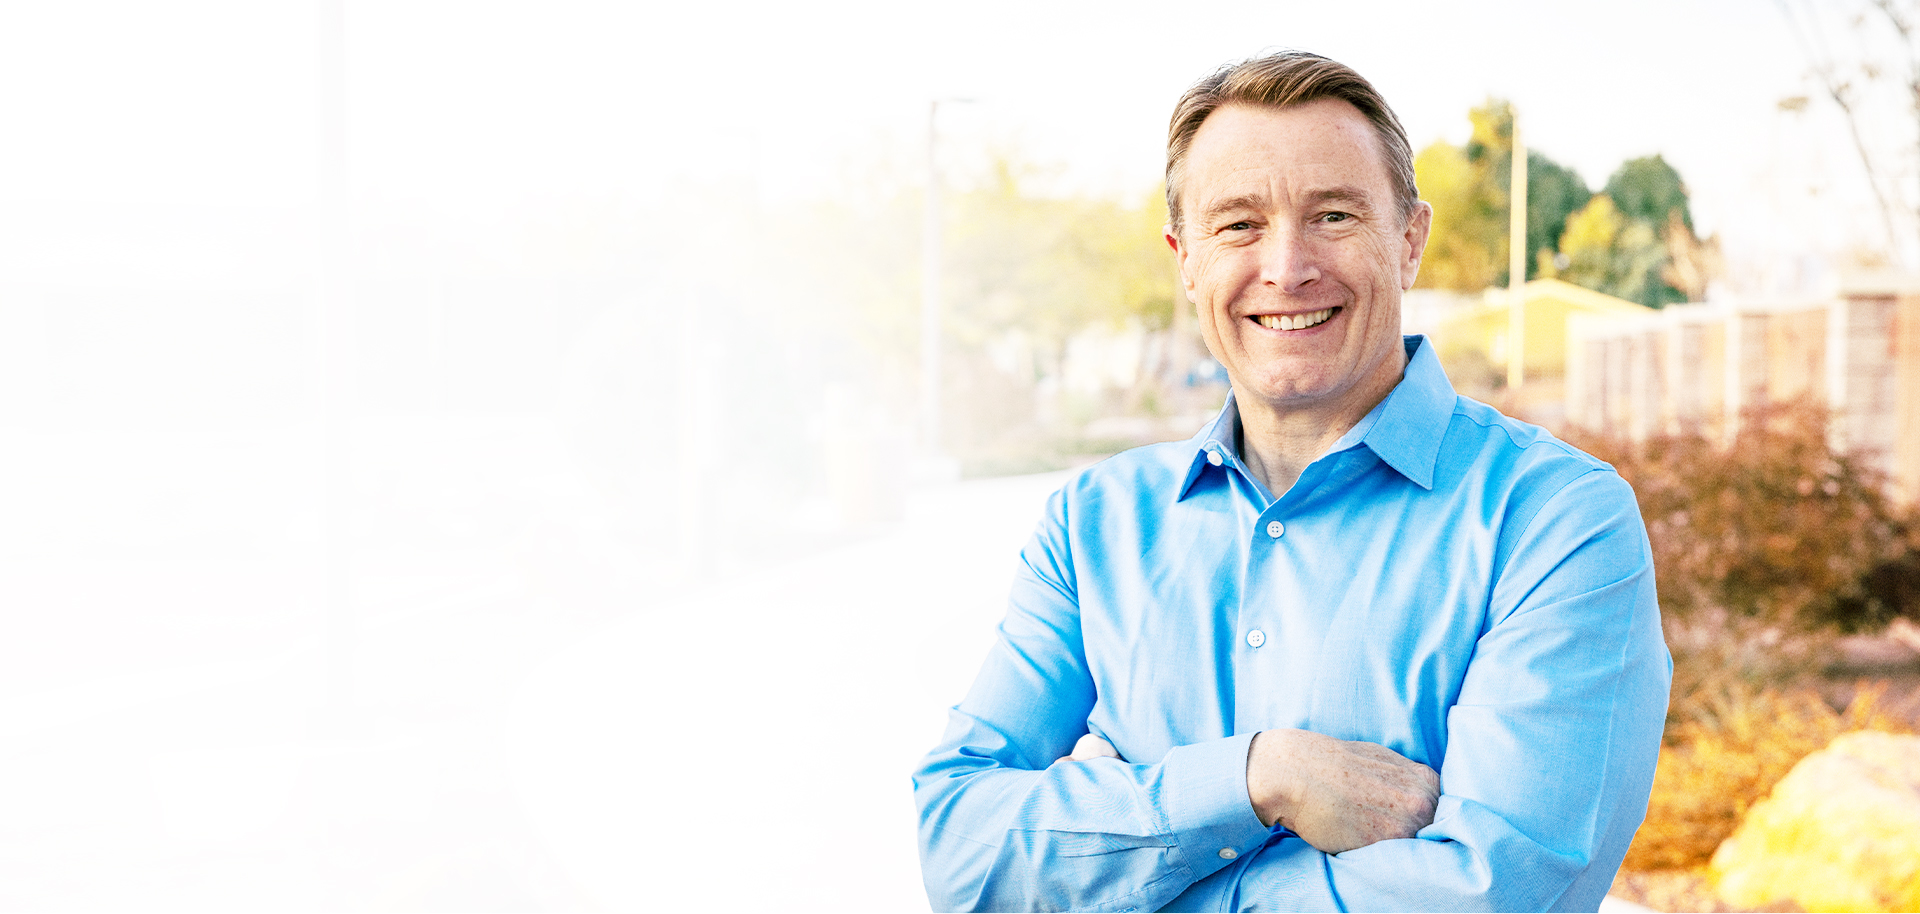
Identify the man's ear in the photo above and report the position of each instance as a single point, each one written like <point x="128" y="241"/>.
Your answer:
<point x="1179" y="257"/>
<point x="1419" y="227"/>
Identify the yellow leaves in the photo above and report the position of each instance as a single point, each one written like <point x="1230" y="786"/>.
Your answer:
<point x="1052" y="266"/>
<point x="1717" y="765"/>
<point x="1588" y="241"/>
<point x="1468" y="242"/>
<point x="1608" y="252"/>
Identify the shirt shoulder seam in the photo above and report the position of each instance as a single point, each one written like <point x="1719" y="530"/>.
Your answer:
<point x="1547" y="440"/>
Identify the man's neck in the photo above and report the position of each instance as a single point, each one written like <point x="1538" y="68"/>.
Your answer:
<point x="1277" y="443"/>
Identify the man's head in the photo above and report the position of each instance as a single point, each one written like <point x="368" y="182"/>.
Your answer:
<point x="1297" y="227"/>
<point x="1278" y="81"/>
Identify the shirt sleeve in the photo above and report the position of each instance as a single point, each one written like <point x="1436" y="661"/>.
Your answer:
<point x="1003" y="828"/>
<point x="1550" y="749"/>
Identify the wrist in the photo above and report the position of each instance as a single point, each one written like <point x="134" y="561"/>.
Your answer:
<point x="1269" y="787"/>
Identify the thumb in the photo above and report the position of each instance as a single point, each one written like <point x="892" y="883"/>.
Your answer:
<point x="1091" y="746"/>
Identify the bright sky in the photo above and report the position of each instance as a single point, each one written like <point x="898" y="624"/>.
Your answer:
<point x="465" y="104"/>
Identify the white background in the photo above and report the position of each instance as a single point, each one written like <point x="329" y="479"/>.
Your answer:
<point x="392" y="530"/>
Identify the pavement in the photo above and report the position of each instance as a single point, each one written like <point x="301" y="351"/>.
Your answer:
<point x="487" y="701"/>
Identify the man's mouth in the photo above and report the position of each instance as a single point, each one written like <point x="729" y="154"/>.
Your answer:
<point x="1295" y="321"/>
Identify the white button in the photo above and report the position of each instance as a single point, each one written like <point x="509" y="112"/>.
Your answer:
<point x="1256" y="637"/>
<point x="1213" y="456"/>
<point x="1227" y="853"/>
<point x="1275" y="528"/>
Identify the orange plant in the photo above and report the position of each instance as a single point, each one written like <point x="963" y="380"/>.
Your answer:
<point x="1778" y="525"/>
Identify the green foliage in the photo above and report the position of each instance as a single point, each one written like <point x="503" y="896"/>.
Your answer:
<point x="1779" y="526"/>
<point x="1491" y="145"/>
<point x="1619" y="242"/>
<point x="1051" y="266"/>
<point x="1470" y="186"/>
<point x="1046" y="267"/>
<point x="1607" y="252"/>
<point x="1623" y="241"/>
<point x="1554" y="192"/>
<point x="1647" y="189"/>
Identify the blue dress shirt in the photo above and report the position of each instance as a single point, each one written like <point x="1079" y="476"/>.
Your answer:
<point x="1455" y="585"/>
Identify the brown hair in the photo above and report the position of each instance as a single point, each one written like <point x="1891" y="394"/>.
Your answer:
<point x="1282" y="80"/>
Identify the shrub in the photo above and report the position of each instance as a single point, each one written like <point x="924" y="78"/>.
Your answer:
<point x="1778" y="525"/>
<point x="1715" y="766"/>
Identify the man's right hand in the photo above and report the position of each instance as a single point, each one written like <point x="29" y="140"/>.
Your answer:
<point x="1338" y="794"/>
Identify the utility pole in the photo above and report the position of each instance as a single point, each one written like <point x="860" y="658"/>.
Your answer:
<point x="1517" y="262"/>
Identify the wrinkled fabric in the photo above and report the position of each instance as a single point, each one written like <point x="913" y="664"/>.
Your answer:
<point x="1453" y="584"/>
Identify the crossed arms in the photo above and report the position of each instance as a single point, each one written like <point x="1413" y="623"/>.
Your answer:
<point x="1335" y="794"/>
<point x="1547" y="761"/>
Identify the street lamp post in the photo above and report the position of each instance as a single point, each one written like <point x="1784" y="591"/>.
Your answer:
<point x="930" y="311"/>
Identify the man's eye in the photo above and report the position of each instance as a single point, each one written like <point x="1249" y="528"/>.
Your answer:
<point x="1335" y="217"/>
<point x="1239" y="226"/>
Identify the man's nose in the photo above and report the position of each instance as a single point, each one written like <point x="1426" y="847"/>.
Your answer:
<point x="1288" y="259"/>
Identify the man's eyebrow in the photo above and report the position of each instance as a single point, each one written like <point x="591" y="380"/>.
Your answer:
<point x="1345" y="195"/>
<point x="1233" y="204"/>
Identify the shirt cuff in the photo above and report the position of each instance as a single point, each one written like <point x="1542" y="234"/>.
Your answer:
<point x="1204" y="793"/>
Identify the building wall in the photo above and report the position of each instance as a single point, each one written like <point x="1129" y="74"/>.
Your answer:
<point x="1905" y="331"/>
<point x="1795" y="354"/>
<point x="1692" y="366"/>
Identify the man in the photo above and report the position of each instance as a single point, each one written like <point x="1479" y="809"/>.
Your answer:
<point x="1361" y="643"/>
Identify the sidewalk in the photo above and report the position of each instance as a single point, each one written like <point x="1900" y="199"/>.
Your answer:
<point x="749" y="745"/>
<point x="526" y="723"/>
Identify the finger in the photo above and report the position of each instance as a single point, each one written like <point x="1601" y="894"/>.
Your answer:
<point x="1090" y="747"/>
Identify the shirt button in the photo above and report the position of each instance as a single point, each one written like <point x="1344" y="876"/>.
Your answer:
<point x="1256" y="637"/>
<point x="1228" y="853"/>
<point x="1275" y="528"/>
<point x="1213" y="456"/>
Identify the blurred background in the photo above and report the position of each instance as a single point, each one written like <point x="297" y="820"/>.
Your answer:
<point x="513" y="456"/>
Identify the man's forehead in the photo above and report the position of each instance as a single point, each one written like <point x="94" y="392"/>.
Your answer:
<point x="1323" y="146"/>
<point x="1325" y="124"/>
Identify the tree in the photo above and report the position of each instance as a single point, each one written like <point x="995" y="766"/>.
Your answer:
<point x="1554" y="192"/>
<point x="1464" y="249"/>
<point x="1634" y="240"/>
<point x="1469" y="187"/>
<point x="1053" y="266"/>
<point x="1608" y="252"/>
<point x="1648" y="189"/>
<point x="1876" y="87"/>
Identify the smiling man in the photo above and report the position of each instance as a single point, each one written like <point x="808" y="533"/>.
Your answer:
<point x="1361" y="643"/>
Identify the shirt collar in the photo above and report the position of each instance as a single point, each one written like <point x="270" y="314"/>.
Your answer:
<point x="1404" y="430"/>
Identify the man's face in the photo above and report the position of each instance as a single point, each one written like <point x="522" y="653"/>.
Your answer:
<point x="1295" y="254"/>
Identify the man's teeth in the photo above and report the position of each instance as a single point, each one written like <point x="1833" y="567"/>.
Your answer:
<point x="1294" y="321"/>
